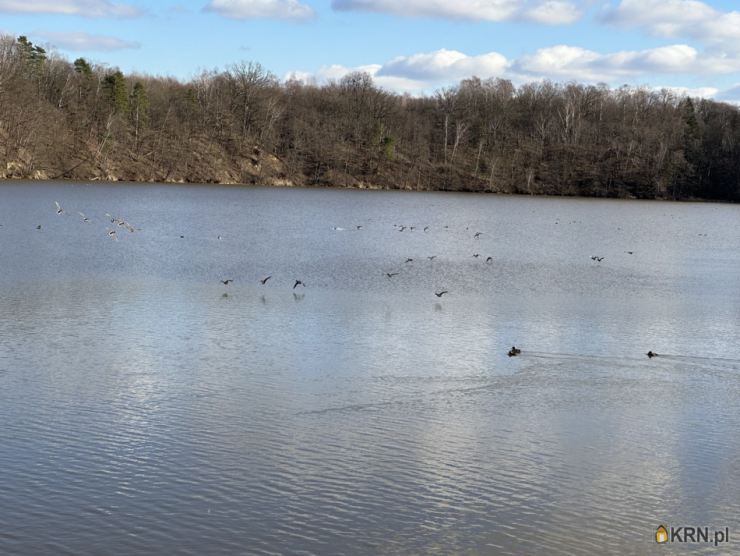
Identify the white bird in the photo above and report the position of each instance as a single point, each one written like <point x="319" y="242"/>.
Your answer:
<point x="84" y="218"/>
<point x="112" y="233"/>
<point x="59" y="209"/>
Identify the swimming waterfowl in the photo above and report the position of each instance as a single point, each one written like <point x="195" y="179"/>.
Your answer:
<point x="409" y="260"/>
<point x="651" y="354"/>
<point x="298" y="282"/>
<point x="514" y="351"/>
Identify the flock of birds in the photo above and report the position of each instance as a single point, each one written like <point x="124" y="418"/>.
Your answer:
<point x="117" y="220"/>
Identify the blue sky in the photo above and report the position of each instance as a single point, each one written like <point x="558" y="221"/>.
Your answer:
<point x="408" y="45"/>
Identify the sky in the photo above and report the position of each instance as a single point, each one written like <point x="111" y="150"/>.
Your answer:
<point x="413" y="46"/>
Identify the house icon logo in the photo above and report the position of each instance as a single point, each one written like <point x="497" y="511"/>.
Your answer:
<point x="661" y="535"/>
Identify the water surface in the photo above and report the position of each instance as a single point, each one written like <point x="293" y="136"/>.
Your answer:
<point x="145" y="407"/>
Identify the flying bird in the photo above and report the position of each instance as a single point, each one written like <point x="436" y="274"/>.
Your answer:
<point x="85" y="218"/>
<point x="440" y="294"/>
<point x="226" y="282"/>
<point x="112" y="233"/>
<point x="597" y="259"/>
<point x="298" y="282"/>
<point x="265" y="280"/>
<point x="59" y="209"/>
<point x="489" y="260"/>
<point x="478" y="234"/>
<point x="38" y="227"/>
<point x="391" y="274"/>
<point x="409" y="260"/>
<point x="432" y="257"/>
<point x="477" y="255"/>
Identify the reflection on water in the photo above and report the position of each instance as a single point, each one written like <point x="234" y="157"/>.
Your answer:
<point x="145" y="408"/>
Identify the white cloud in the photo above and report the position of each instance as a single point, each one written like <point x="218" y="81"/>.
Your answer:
<point x="81" y="41"/>
<point x="427" y="71"/>
<point x="679" y="18"/>
<point x="288" y="10"/>
<point x="443" y="65"/>
<point x="701" y="92"/>
<point x="83" y="8"/>
<point x="548" y="12"/>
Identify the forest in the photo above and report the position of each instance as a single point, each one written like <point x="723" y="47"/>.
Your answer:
<point x="85" y="120"/>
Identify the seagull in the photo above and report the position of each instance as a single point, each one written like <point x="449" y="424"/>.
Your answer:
<point x="478" y="234"/>
<point x="298" y="282"/>
<point x="84" y="218"/>
<point x="226" y="282"/>
<point x="112" y="233"/>
<point x="265" y="280"/>
<point x="409" y="260"/>
<point x="391" y="274"/>
<point x="440" y="294"/>
<point x="59" y="209"/>
<point x="650" y="354"/>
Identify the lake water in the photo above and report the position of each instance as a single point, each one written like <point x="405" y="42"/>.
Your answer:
<point x="147" y="408"/>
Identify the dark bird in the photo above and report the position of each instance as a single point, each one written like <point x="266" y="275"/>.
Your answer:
<point x="440" y="294"/>
<point x="629" y="252"/>
<point x="489" y="260"/>
<point x="391" y="274"/>
<point x="409" y="260"/>
<point x="265" y="280"/>
<point x="359" y="227"/>
<point x="478" y="234"/>
<point x="226" y="282"/>
<point x="38" y="227"/>
<point x="514" y="351"/>
<point x="181" y="237"/>
<point x="477" y="255"/>
<point x="432" y="257"/>
<point x="219" y="237"/>
<point x="412" y="228"/>
<point x="426" y="228"/>
<point x="651" y="354"/>
<point x="597" y="259"/>
<point x="402" y="228"/>
<point x="298" y="282"/>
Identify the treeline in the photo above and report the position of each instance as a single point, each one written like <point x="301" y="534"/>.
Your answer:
<point x="79" y="120"/>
